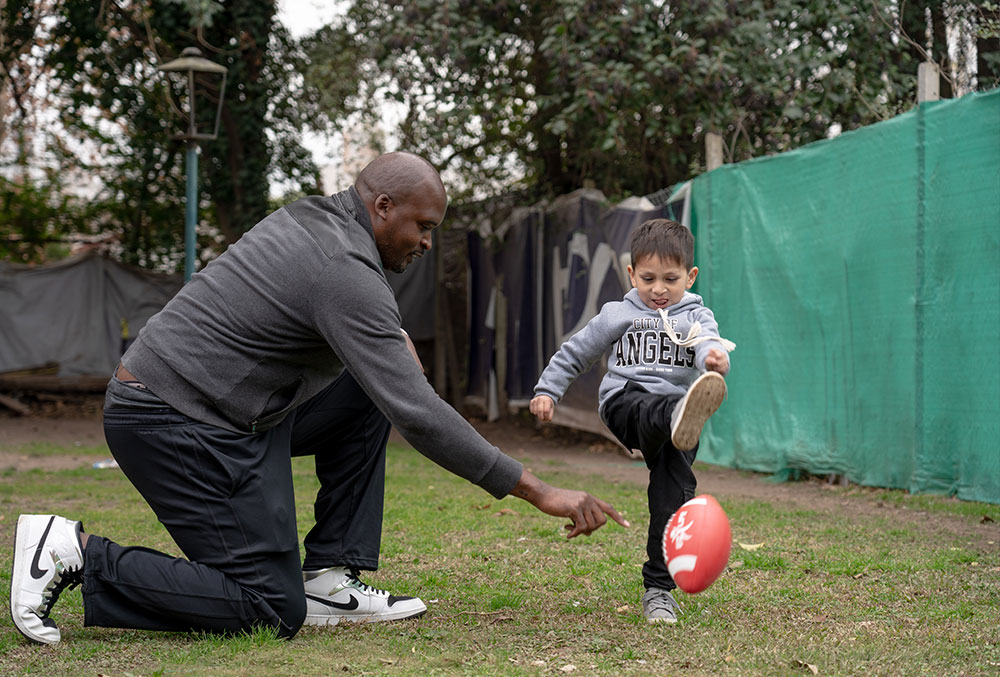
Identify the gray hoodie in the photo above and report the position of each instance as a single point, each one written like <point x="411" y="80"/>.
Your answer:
<point x="279" y="315"/>
<point x="641" y="351"/>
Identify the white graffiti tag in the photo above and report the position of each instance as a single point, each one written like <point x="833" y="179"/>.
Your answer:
<point x="679" y="534"/>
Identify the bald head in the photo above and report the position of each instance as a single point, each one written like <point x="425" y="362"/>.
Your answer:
<point x="406" y="201"/>
<point x="400" y="176"/>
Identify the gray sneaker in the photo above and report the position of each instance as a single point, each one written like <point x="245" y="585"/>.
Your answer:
<point x="659" y="606"/>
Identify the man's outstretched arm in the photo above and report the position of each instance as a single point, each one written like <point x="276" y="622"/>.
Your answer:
<point x="586" y="512"/>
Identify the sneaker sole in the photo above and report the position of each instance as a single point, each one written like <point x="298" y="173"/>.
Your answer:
<point x="16" y="576"/>
<point x="703" y="400"/>
<point x="329" y="620"/>
<point x="325" y="621"/>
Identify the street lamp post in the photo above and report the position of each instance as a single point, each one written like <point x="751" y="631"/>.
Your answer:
<point x="191" y="63"/>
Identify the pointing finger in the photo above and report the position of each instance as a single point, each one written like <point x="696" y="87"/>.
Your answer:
<point x="607" y="508"/>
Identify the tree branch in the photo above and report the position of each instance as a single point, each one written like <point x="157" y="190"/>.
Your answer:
<point x="459" y="152"/>
<point x="924" y="54"/>
<point x="15" y="91"/>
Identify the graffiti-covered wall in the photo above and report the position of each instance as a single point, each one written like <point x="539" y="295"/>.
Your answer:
<point x="539" y="277"/>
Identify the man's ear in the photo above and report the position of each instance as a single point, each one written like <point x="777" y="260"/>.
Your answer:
<point x="382" y="205"/>
<point x="692" y="276"/>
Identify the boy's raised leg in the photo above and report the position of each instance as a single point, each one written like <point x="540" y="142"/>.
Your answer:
<point x="701" y="401"/>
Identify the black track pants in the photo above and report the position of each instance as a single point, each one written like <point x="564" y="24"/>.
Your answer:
<point x="227" y="500"/>
<point x="641" y="420"/>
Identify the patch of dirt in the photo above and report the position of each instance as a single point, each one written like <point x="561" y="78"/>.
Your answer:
<point x="75" y="431"/>
<point x="543" y="448"/>
<point x="66" y="428"/>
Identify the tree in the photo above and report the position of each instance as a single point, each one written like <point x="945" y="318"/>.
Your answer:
<point x="19" y="70"/>
<point x="621" y="93"/>
<point x="31" y="218"/>
<point x="116" y="112"/>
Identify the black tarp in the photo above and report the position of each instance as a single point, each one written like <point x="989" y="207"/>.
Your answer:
<point x="75" y="313"/>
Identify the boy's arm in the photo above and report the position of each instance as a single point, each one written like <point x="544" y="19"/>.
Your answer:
<point x="574" y="357"/>
<point x="710" y="355"/>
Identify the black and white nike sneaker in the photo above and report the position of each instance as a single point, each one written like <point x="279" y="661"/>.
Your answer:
<point x="48" y="557"/>
<point x="336" y="595"/>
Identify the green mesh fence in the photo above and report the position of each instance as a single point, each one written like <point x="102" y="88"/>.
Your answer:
<point x="860" y="280"/>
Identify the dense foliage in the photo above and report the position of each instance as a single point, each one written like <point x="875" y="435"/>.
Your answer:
<point x="100" y="65"/>
<point x="621" y="93"/>
<point x="537" y="95"/>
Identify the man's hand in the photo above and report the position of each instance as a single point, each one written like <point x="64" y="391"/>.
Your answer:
<point x="542" y="407"/>
<point x="718" y="361"/>
<point x="586" y="512"/>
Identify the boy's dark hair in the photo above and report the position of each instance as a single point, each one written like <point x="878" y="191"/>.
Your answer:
<point x="664" y="238"/>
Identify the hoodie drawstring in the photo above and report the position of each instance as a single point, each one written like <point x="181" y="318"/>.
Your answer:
<point x="693" y="337"/>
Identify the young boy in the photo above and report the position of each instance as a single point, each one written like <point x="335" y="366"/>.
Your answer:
<point x="664" y="379"/>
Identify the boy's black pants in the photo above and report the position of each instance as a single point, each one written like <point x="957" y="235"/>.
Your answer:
<point x="641" y="420"/>
<point x="227" y="500"/>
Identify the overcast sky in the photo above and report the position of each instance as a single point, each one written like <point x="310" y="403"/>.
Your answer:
<point x="305" y="16"/>
<point x="301" y="17"/>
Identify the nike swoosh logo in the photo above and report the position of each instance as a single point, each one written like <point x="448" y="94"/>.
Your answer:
<point x="349" y="606"/>
<point x="37" y="573"/>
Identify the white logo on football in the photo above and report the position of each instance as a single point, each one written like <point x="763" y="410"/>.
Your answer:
<point x="679" y="534"/>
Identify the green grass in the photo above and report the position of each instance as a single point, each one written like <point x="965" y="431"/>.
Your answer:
<point x="881" y="583"/>
<point x="49" y="449"/>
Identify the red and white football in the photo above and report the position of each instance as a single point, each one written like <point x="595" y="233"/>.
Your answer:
<point x="696" y="543"/>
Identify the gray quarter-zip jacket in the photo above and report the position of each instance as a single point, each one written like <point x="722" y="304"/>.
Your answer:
<point x="278" y="316"/>
<point x="641" y="351"/>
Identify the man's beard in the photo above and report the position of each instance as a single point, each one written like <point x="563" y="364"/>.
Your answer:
<point x="405" y="262"/>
